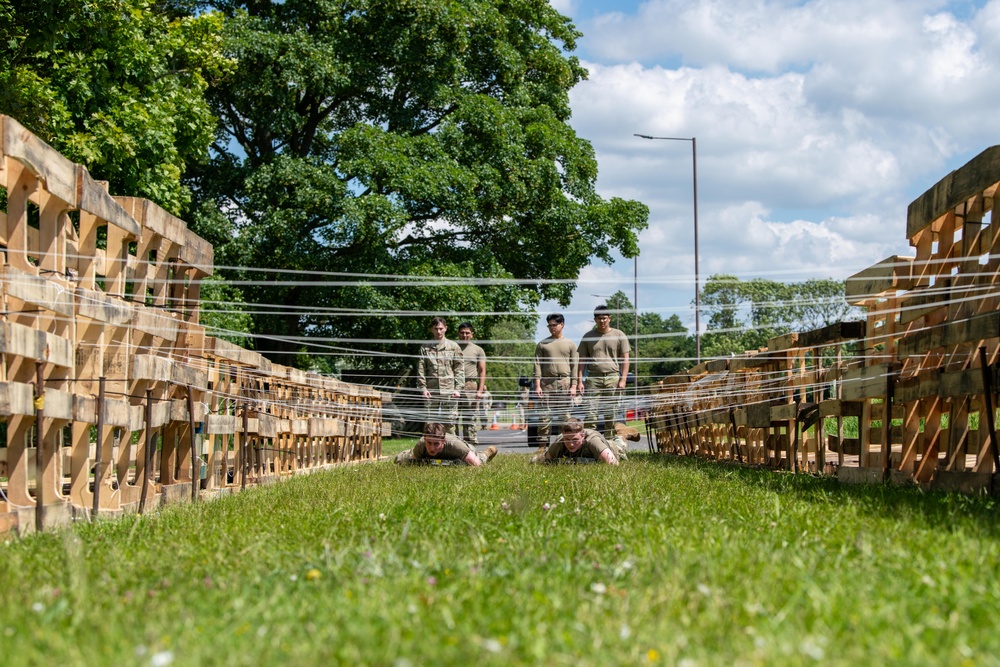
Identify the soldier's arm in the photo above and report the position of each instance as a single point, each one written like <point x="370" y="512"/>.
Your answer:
<point x="481" y="367"/>
<point x="608" y="457"/>
<point x="422" y="369"/>
<point x="538" y="372"/>
<point x="472" y="459"/>
<point x="574" y="364"/>
<point x="624" y="377"/>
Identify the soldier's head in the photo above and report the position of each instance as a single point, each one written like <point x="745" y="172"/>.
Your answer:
<point x="438" y="328"/>
<point x="465" y="331"/>
<point x="572" y="434"/>
<point x="555" y="323"/>
<point x="602" y="318"/>
<point x="434" y="433"/>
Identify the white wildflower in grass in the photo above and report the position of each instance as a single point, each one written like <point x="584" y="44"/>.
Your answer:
<point x="599" y="588"/>
<point x="546" y="507"/>
<point x="492" y="645"/>
<point x="162" y="659"/>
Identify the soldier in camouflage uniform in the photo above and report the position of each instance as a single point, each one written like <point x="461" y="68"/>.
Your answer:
<point x="440" y="446"/>
<point x="577" y="443"/>
<point x="440" y="376"/>
<point x="475" y="385"/>
<point x="555" y="377"/>
<point x="604" y="353"/>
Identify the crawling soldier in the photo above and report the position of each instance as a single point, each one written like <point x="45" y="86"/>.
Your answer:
<point x="578" y="443"/>
<point x="437" y="445"/>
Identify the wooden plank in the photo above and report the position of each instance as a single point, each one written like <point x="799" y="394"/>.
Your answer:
<point x="38" y="291"/>
<point x="58" y="404"/>
<point x="16" y="398"/>
<point x="837" y="332"/>
<point x="155" y="322"/>
<point x="151" y="368"/>
<point x="103" y="308"/>
<point x="956" y="188"/>
<point x="94" y="198"/>
<point x="55" y="171"/>
<point x="220" y="424"/>
<point x="971" y="330"/>
<point x="326" y="428"/>
<point x="891" y="274"/>
<point x="859" y="475"/>
<point x="960" y="481"/>
<point x="864" y="382"/>
<point x="784" y="412"/>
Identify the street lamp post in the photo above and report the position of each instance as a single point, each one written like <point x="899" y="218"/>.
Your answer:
<point x="697" y="296"/>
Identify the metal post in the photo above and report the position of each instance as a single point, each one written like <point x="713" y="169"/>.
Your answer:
<point x="194" y="448"/>
<point x="244" y="446"/>
<point x="146" y="455"/>
<point x="890" y="391"/>
<point x="39" y="453"/>
<point x="697" y="283"/>
<point x="97" y="453"/>
<point x="988" y="396"/>
<point x="635" y="310"/>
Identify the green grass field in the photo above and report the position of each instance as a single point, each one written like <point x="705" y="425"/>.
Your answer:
<point x="660" y="561"/>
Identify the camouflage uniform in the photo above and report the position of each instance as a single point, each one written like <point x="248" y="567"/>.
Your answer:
<point x="455" y="449"/>
<point x="555" y="371"/>
<point x="593" y="444"/>
<point x="599" y="359"/>
<point x="470" y="409"/>
<point x="441" y="371"/>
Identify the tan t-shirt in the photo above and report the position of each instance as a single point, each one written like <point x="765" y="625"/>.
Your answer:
<point x="601" y="354"/>
<point x="472" y="354"/>
<point x="454" y="448"/>
<point x="555" y="358"/>
<point x="593" y="444"/>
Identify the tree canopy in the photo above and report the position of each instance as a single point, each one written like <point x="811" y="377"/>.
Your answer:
<point x="744" y="314"/>
<point x="117" y="85"/>
<point x="401" y="137"/>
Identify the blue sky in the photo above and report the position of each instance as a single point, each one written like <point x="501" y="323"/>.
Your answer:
<point x="817" y="122"/>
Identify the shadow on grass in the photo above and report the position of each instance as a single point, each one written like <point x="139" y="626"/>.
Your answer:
<point x="937" y="509"/>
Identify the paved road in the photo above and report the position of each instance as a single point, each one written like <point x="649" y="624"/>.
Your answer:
<point x="516" y="442"/>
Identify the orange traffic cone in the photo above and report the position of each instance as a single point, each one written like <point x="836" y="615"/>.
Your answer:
<point x="494" y="426"/>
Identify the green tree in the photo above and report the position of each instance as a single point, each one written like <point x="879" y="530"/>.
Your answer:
<point x="665" y="347"/>
<point x="404" y="137"/>
<point x="743" y="315"/>
<point x="510" y="356"/>
<point x="117" y="85"/>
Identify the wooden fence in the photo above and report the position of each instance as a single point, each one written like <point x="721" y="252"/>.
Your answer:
<point x="917" y="377"/>
<point x="112" y="396"/>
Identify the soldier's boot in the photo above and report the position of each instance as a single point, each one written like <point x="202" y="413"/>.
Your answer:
<point x="404" y="456"/>
<point x="487" y="454"/>
<point x="627" y="432"/>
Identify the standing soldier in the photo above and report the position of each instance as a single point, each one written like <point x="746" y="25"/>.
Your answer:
<point x="475" y="384"/>
<point x="555" y="377"/>
<point x="441" y="374"/>
<point x="604" y="358"/>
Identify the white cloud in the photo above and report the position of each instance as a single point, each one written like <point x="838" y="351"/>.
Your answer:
<point x="817" y="122"/>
